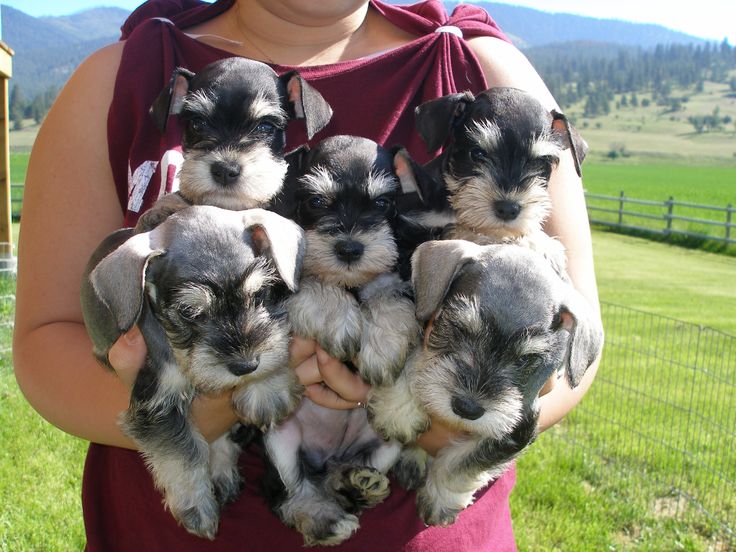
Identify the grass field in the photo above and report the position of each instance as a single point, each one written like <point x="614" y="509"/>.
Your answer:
<point x="567" y="498"/>
<point x="603" y="479"/>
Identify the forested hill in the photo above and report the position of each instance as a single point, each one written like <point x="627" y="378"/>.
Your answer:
<point x="528" y="27"/>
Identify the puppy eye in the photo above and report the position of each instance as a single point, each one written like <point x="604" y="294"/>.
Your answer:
<point x="317" y="202"/>
<point x="190" y="312"/>
<point x="265" y="127"/>
<point x="383" y="204"/>
<point x="478" y="154"/>
<point x="530" y="362"/>
<point x="196" y="125"/>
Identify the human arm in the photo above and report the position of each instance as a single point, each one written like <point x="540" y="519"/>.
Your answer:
<point x="70" y="205"/>
<point x="504" y="65"/>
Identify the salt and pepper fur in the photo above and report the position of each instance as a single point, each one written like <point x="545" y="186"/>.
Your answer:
<point x="501" y="147"/>
<point x="205" y="287"/>
<point x="502" y="322"/>
<point x="234" y="114"/>
<point x="328" y="464"/>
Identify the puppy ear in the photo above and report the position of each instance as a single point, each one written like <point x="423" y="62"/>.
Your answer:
<point x="570" y="139"/>
<point x="280" y="239"/>
<point x="306" y="103"/>
<point x="434" y="266"/>
<point x="417" y="182"/>
<point x="435" y="119"/>
<point x="169" y="101"/>
<point x="586" y="335"/>
<point x="113" y="287"/>
<point x="285" y="203"/>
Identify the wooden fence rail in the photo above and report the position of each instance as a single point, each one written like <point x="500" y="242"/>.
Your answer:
<point x="615" y="213"/>
<point x="691" y="220"/>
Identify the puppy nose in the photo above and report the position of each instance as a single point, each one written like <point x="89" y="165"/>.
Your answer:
<point x="225" y="172"/>
<point x="243" y="367"/>
<point x="467" y="408"/>
<point x="506" y="210"/>
<point x="349" y="250"/>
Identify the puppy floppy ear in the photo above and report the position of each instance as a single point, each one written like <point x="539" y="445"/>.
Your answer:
<point x="417" y="182"/>
<point x="435" y="119"/>
<point x="113" y="286"/>
<point x="434" y="266"/>
<point x="280" y="239"/>
<point x="169" y="100"/>
<point x="570" y="139"/>
<point x="586" y="335"/>
<point x="306" y="103"/>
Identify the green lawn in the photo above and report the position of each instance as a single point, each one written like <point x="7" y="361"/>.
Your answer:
<point x="607" y="477"/>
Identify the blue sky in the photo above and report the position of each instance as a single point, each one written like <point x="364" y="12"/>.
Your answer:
<point x="711" y="19"/>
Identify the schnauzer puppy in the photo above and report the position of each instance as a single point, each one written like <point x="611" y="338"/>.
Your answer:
<point x="329" y="465"/>
<point x="234" y="112"/>
<point x="206" y="288"/>
<point x="501" y="321"/>
<point x="503" y="145"/>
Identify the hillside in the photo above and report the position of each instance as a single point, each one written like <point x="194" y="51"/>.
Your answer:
<point x="536" y="28"/>
<point x="48" y="49"/>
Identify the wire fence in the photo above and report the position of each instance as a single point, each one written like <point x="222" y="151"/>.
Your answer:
<point x="660" y="420"/>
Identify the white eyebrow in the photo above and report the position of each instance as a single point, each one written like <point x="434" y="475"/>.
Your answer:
<point x="485" y="133"/>
<point x="319" y="181"/>
<point x="380" y="183"/>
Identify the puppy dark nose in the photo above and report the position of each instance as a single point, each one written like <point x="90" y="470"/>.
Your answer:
<point x="467" y="408"/>
<point x="349" y="251"/>
<point x="243" y="367"/>
<point x="506" y="210"/>
<point x="225" y="172"/>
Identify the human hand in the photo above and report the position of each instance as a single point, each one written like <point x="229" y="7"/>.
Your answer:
<point x="212" y="414"/>
<point x="326" y="380"/>
<point x="436" y="437"/>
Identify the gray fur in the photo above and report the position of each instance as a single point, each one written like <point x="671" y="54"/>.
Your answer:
<point x="187" y="283"/>
<point x="503" y="321"/>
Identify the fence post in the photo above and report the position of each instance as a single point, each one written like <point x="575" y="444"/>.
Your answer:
<point x="621" y="202"/>
<point x="670" y="203"/>
<point x="729" y="218"/>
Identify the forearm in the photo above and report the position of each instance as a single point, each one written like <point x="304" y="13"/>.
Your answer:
<point x="61" y="379"/>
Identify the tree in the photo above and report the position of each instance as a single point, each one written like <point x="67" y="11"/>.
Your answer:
<point x="17" y="107"/>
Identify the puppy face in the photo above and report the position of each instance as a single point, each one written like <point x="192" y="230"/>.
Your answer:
<point x="234" y="120"/>
<point x="345" y="194"/>
<point x="225" y="329"/>
<point x="503" y="323"/>
<point x="502" y="149"/>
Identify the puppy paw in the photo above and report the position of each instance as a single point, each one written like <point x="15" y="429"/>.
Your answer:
<point x="372" y="485"/>
<point x="201" y="520"/>
<point x="268" y="403"/>
<point x="226" y="478"/>
<point x="433" y="513"/>
<point x="227" y="487"/>
<point x="411" y="468"/>
<point x="328" y="528"/>
<point x="394" y="415"/>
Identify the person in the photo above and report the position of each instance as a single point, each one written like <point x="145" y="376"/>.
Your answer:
<point x="98" y="162"/>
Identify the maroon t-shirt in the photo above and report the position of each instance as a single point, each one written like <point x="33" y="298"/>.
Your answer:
<point x="373" y="97"/>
